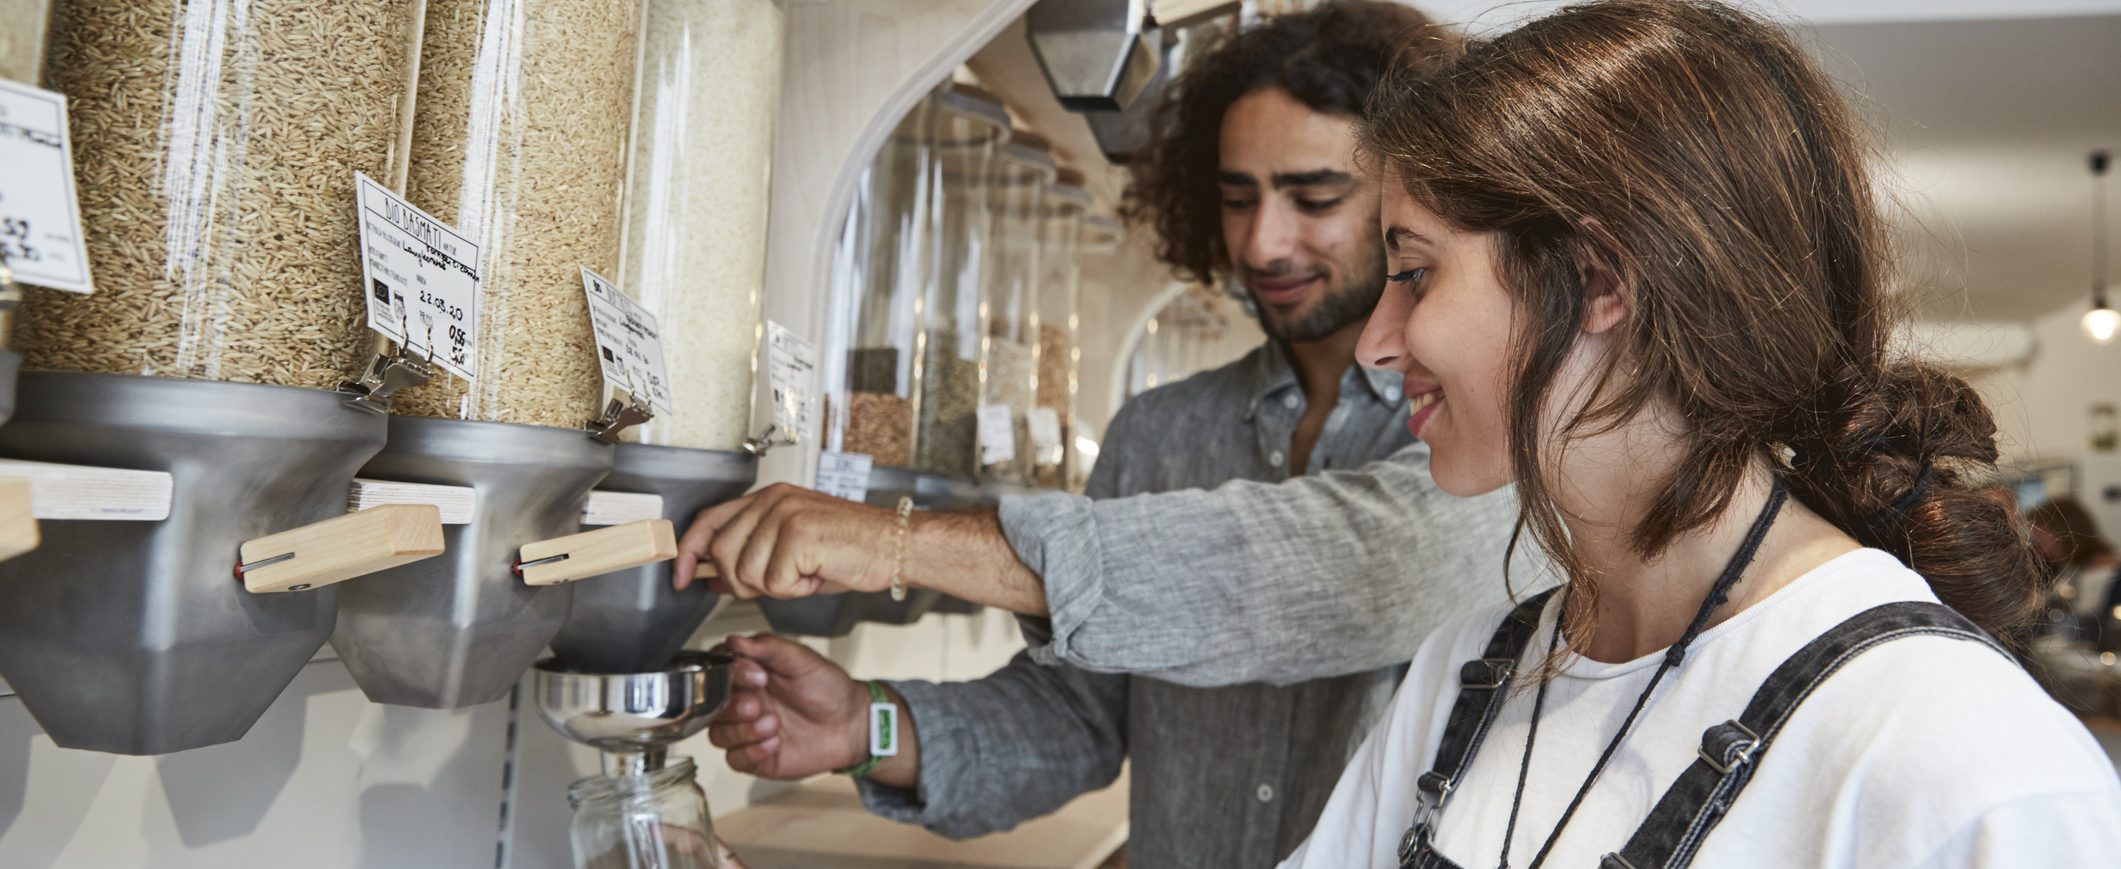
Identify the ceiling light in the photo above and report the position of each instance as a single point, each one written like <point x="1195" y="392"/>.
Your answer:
<point x="2102" y="321"/>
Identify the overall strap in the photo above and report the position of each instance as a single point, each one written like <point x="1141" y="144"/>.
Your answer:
<point x="1481" y="685"/>
<point x="1731" y="751"/>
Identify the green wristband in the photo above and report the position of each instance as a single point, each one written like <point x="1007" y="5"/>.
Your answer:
<point x="876" y="698"/>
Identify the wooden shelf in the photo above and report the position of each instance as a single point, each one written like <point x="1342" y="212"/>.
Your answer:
<point x="822" y="825"/>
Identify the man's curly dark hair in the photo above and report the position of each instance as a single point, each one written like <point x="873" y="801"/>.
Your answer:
<point x="1327" y="57"/>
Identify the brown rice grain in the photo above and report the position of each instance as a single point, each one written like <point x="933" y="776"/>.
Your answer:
<point x="519" y="141"/>
<point x="217" y="185"/>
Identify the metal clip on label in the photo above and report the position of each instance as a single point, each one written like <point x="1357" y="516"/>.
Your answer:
<point x="388" y="372"/>
<point x="773" y="437"/>
<point x="625" y="411"/>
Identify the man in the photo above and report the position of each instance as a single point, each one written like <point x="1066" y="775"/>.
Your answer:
<point x="1254" y="178"/>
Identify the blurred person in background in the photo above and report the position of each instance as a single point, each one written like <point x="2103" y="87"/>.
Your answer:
<point x="2085" y="568"/>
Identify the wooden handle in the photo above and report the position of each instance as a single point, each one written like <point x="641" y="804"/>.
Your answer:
<point x="18" y="520"/>
<point x="706" y="570"/>
<point x="341" y="548"/>
<point x="593" y="553"/>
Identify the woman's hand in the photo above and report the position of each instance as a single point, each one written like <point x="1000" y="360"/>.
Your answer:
<point x="786" y="541"/>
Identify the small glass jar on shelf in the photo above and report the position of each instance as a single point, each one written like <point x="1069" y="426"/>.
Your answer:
<point x="1055" y="325"/>
<point x="965" y="141"/>
<point x="1023" y="171"/>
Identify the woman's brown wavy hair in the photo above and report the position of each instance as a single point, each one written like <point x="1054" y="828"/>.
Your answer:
<point x="1702" y="157"/>
<point x="1327" y="57"/>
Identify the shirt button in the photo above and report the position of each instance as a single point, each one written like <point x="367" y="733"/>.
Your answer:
<point x="1290" y="401"/>
<point x="1266" y="793"/>
<point x="1391" y="393"/>
<point x="1274" y="458"/>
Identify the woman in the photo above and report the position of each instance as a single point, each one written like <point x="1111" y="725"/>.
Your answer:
<point x="1637" y="272"/>
<point x="2084" y="565"/>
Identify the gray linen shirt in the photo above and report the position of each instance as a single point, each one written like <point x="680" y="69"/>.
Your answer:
<point x="1218" y="588"/>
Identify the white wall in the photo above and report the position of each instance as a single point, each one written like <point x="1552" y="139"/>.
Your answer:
<point x="328" y="780"/>
<point x="2041" y="403"/>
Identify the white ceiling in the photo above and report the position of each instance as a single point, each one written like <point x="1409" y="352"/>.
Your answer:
<point x="1986" y="110"/>
<point x="1987" y="125"/>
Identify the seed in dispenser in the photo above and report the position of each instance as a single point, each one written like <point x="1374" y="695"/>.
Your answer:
<point x="215" y="166"/>
<point x="519" y="140"/>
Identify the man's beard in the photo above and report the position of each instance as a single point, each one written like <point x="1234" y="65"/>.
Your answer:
<point x="1351" y="302"/>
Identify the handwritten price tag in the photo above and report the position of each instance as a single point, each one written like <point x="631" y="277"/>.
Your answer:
<point x="421" y="279"/>
<point x="629" y="347"/>
<point x="40" y="217"/>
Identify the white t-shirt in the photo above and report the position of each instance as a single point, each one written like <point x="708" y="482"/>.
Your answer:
<point x="1925" y="751"/>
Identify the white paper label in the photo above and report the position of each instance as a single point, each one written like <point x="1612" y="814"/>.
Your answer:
<point x="997" y="434"/>
<point x="1046" y="435"/>
<point x="845" y="475"/>
<point x="40" y="217"/>
<point x="629" y="346"/>
<point x="883" y="729"/>
<point x="791" y="372"/>
<point x="422" y="279"/>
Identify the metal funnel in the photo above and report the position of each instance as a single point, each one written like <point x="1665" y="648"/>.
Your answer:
<point x="632" y="621"/>
<point x="633" y="717"/>
<point x="458" y="630"/>
<point x="134" y="636"/>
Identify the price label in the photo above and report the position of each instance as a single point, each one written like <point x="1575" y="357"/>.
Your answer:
<point x="844" y="474"/>
<point x="629" y="346"/>
<point x="997" y="434"/>
<point x="40" y="217"/>
<point x="791" y="372"/>
<point x="421" y="279"/>
<point x="1046" y="444"/>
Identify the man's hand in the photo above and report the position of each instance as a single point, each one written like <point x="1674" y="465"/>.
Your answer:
<point x="786" y="541"/>
<point x="791" y="714"/>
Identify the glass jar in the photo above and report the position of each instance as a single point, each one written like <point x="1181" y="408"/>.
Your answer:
<point x="695" y="247"/>
<point x="1023" y="170"/>
<point x="215" y="156"/>
<point x="964" y="138"/>
<point x="22" y="38"/>
<point x="520" y="142"/>
<point x="656" y="820"/>
<point x="1055" y="324"/>
<point x="876" y="281"/>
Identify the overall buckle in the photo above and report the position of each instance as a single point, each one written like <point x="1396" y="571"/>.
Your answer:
<point x="1737" y="750"/>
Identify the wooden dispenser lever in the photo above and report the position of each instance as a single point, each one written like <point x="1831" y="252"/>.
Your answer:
<point x="592" y="553"/>
<point x="18" y="521"/>
<point x="341" y="548"/>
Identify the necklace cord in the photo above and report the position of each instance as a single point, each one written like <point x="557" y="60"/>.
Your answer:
<point x="1718" y="594"/>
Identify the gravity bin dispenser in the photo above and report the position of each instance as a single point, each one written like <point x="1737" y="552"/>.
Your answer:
<point x="153" y="618"/>
<point x="188" y="448"/>
<point x="635" y="621"/>
<point x="516" y="446"/>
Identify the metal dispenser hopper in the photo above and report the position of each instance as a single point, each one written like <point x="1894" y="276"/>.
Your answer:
<point x="136" y="637"/>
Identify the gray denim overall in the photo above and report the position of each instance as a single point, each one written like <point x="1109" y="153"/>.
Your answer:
<point x="1729" y="753"/>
